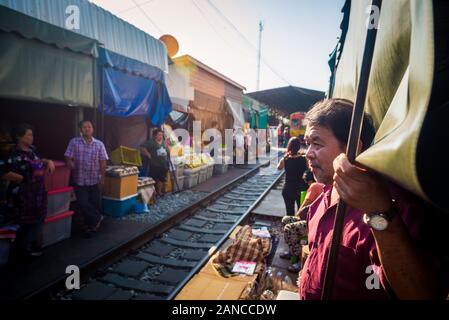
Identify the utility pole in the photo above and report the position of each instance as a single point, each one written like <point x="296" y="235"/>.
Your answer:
<point x="259" y="54"/>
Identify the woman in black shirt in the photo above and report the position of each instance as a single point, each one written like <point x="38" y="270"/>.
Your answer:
<point x="294" y="164"/>
<point x="156" y="155"/>
<point x="26" y="194"/>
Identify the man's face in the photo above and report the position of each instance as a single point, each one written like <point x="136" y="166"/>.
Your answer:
<point x="322" y="149"/>
<point x="87" y="129"/>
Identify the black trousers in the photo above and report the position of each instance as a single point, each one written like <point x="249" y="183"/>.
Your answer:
<point x="291" y="194"/>
<point x="29" y="237"/>
<point x="89" y="203"/>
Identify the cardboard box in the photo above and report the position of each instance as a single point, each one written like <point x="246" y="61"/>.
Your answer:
<point x="204" y="286"/>
<point x="120" y="187"/>
<point x="208" y="284"/>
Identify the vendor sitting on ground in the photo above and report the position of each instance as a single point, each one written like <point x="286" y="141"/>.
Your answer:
<point x="156" y="159"/>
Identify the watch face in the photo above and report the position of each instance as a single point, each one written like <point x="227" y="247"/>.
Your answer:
<point x="378" y="223"/>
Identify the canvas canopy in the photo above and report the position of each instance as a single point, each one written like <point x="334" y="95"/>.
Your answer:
<point x="405" y="76"/>
<point x="42" y="62"/>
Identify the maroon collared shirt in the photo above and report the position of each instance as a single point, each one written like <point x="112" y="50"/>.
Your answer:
<point x="358" y="262"/>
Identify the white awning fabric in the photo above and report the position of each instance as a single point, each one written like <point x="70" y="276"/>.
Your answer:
<point x="237" y="113"/>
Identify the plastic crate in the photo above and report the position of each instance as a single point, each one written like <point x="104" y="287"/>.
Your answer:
<point x="180" y="181"/>
<point x="57" y="228"/>
<point x="119" y="207"/>
<point x="59" y="178"/>
<point x="126" y="156"/>
<point x="59" y="201"/>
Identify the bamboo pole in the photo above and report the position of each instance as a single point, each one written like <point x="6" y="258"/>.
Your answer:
<point x="351" y="152"/>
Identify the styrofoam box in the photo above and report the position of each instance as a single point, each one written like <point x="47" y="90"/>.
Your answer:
<point x="202" y="175"/>
<point x="188" y="171"/>
<point x="190" y="180"/>
<point x="220" y="168"/>
<point x="210" y="171"/>
<point x="180" y="170"/>
<point x="180" y="181"/>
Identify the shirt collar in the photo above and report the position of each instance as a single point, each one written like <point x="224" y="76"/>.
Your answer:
<point x="84" y="140"/>
<point x="327" y="191"/>
<point x="16" y="148"/>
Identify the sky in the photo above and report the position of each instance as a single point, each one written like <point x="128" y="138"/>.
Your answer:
<point x="297" y="39"/>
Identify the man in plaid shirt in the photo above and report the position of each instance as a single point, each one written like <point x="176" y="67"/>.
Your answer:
<point x="87" y="157"/>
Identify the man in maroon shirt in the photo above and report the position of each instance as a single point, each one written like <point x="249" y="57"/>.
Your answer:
<point x="383" y="252"/>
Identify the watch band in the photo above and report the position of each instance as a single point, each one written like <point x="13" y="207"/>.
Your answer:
<point x="388" y="214"/>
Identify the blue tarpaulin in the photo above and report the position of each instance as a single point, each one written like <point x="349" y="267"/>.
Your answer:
<point x="110" y="59"/>
<point x="132" y="88"/>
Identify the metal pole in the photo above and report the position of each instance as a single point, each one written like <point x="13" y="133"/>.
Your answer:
<point x="95" y="84"/>
<point x="102" y="102"/>
<point x="259" y="54"/>
<point x="351" y="151"/>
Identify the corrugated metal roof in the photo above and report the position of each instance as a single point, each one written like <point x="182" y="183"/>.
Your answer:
<point x="32" y="28"/>
<point x="198" y="63"/>
<point x="252" y="103"/>
<point x="114" y="33"/>
<point x="288" y="99"/>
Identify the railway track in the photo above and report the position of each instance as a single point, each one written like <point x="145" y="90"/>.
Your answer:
<point x="159" y="264"/>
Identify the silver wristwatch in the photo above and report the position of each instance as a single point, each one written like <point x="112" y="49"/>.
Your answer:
<point x="380" y="220"/>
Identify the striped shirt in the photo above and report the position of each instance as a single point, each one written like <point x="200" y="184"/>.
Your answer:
<point x="86" y="157"/>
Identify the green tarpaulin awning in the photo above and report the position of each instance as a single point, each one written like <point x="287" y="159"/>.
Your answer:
<point x="45" y="63"/>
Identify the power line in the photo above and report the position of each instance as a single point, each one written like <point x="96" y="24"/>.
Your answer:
<point x="208" y="22"/>
<point x="211" y="24"/>
<point x="149" y="19"/>
<point x="134" y="7"/>
<point x="232" y="47"/>
<point x="231" y="24"/>
<point x="265" y="62"/>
